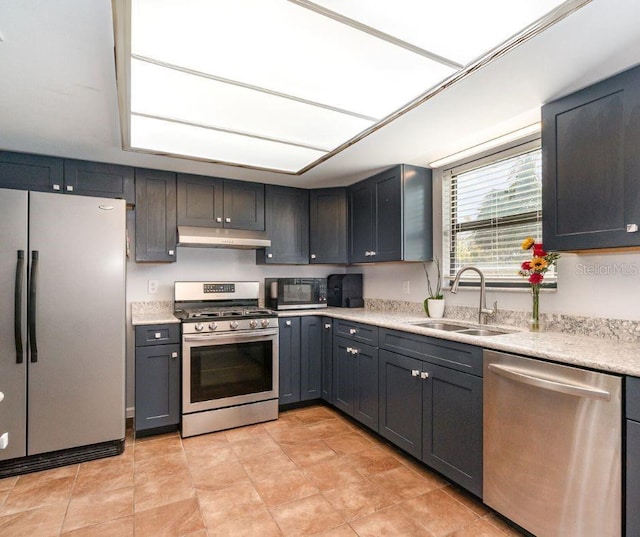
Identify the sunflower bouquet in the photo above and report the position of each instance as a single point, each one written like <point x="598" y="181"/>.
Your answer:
<point x="534" y="270"/>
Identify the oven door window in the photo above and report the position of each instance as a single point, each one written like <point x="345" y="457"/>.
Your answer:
<point x="229" y="370"/>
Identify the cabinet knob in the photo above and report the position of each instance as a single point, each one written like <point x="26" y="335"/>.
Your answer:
<point x="171" y="252"/>
<point x="227" y="220"/>
<point x="372" y="253"/>
<point x="327" y="325"/>
<point x="354" y="351"/>
<point x="352" y="331"/>
<point x="157" y="335"/>
<point x="415" y="372"/>
<point x="287" y="323"/>
<point x="56" y="187"/>
<point x="632" y="228"/>
<point x="219" y="219"/>
<point x="367" y="254"/>
<point x="349" y="349"/>
<point x="313" y="256"/>
<point x="69" y="188"/>
<point x="269" y="256"/>
<point x="174" y="355"/>
<point x="424" y="375"/>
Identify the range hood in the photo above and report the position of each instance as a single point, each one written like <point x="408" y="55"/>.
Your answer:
<point x="206" y="237"/>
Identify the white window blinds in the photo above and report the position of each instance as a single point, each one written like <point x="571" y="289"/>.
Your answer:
<point x="490" y="206"/>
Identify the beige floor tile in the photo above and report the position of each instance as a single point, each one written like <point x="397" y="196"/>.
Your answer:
<point x="213" y="456"/>
<point x="32" y="493"/>
<point x="154" y="491"/>
<point x="228" y="504"/>
<point x="466" y="499"/>
<point x="330" y="428"/>
<point x="340" y="531"/>
<point x="402" y="483"/>
<point x="258" y="524"/>
<point x="96" y="508"/>
<point x="3" y="497"/>
<point x="285" y="487"/>
<point x="243" y="433"/>
<point x="220" y="476"/>
<point x="102" y="478"/>
<point x="173" y="520"/>
<point x="351" y="442"/>
<point x="7" y="483"/>
<point x="306" y="516"/>
<point x="373" y="461"/>
<point x="204" y="441"/>
<point x="256" y="447"/>
<point x="165" y="465"/>
<point x="121" y="527"/>
<point x="156" y="448"/>
<point x="390" y="522"/>
<point x="278" y="463"/>
<point x="310" y="453"/>
<point x="311" y="415"/>
<point x="54" y="473"/>
<point x="332" y="473"/>
<point x="41" y="522"/>
<point x="479" y="528"/>
<point x="358" y="499"/>
<point x="439" y="513"/>
<point x="294" y="436"/>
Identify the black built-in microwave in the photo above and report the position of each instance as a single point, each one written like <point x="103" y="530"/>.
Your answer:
<point x="295" y="293"/>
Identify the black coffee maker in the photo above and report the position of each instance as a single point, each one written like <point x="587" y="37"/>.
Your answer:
<point x="345" y="290"/>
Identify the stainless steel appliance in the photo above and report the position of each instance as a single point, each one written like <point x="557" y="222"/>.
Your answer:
<point x="295" y="293"/>
<point x="229" y="356"/>
<point x="552" y="446"/>
<point x="62" y="329"/>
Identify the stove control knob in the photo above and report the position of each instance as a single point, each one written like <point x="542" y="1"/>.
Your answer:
<point x="213" y="326"/>
<point x="253" y="323"/>
<point x="264" y="323"/>
<point x="233" y="325"/>
<point x="199" y="327"/>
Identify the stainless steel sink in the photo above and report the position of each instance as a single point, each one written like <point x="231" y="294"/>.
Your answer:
<point x="482" y="332"/>
<point x="437" y="325"/>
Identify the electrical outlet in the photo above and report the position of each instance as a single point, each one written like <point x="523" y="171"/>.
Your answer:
<point x="152" y="287"/>
<point x="406" y="287"/>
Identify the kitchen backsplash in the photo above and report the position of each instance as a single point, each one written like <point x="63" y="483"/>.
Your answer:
<point x="615" y="329"/>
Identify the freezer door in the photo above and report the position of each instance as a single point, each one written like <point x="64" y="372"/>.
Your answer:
<point x="77" y="378"/>
<point x="13" y="283"/>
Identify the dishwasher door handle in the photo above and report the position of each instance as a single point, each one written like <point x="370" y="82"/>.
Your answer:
<point x="549" y="384"/>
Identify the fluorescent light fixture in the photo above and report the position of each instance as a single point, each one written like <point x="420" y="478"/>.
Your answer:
<point x="283" y="85"/>
<point x="489" y="144"/>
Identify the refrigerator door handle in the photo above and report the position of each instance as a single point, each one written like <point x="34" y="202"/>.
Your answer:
<point x="32" y="306"/>
<point x="18" y="307"/>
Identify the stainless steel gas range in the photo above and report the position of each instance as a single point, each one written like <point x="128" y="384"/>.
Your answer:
<point x="229" y="356"/>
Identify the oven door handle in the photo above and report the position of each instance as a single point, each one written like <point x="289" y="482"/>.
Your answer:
<point x="230" y="335"/>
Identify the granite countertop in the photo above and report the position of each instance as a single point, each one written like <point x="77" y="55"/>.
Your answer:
<point x="594" y="353"/>
<point x="156" y="317"/>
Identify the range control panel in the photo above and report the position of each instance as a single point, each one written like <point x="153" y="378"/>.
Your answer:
<point x="219" y="287"/>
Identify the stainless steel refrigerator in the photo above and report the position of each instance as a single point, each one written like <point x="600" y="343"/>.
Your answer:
<point x="62" y="328"/>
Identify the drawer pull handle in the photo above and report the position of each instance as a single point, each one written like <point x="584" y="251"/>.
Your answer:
<point x="632" y="228"/>
<point x="415" y="372"/>
<point x="352" y="331"/>
<point x="327" y="325"/>
<point x="424" y="375"/>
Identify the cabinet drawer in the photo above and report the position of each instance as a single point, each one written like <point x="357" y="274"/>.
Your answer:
<point x="363" y="333"/>
<point x="632" y="398"/>
<point x="157" y="334"/>
<point x="459" y="356"/>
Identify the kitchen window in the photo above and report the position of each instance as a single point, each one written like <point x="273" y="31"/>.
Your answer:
<point x="490" y="205"/>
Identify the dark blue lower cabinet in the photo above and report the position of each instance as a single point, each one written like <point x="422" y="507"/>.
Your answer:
<point x="157" y="396"/>
<point x="310" y="358"/>
<point x="327" y="360"/>
<point x="289" y="360"/>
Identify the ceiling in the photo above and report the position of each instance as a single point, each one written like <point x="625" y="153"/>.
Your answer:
<point x="58" y="93"/>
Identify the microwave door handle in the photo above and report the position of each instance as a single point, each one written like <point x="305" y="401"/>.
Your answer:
<point x="18" y="307"/>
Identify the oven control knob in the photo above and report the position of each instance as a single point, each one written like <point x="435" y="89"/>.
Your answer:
<point x="233" y="325"/>
<point x="213" y="326"/>
<point x="199" y="327"/>
<point x="264" y="323"/>
<point x="253" y="323"/>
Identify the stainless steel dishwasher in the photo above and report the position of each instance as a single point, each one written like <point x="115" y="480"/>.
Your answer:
<point x="552" y="446"/>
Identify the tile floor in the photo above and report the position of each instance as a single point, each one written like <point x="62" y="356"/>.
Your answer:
<point x="312" y="472"/>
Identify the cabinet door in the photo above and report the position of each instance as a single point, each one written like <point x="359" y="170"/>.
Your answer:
<point x="632" y="488"/>
<point x="388" y="216"/>
<point x="328" y="225"/>
<point x="310" y="358"/>
<point x="289" y="362"/>
<point x="243" y="205"/>
<point x="99" y="179"/>
<point x="591" y="165"/>
<point x="155" y="215"/>
<point x="287" y="225"/>
<point x="200" y="201"/>
<point x="365" y="397"/>
<point x="344" y="367"/>
<point x="361" y="222"/>
<point x="30" y="172"/>
<point x="400" y="405"/>
<point x="327" y="359"/>
<point x="157" y="386"/>
<point x="452" y="426"/>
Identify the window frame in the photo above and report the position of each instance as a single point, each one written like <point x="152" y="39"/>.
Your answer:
<point x="449" y="173"/>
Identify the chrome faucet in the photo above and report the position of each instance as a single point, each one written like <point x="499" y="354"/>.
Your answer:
<point x="482" y="309"/>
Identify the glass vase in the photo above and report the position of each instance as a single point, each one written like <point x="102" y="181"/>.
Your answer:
<point x="534" y="321"/>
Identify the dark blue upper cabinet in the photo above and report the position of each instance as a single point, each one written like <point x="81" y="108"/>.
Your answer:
<point x="99" y="179"/>
<point x="591" y="166"/>
<point x="30" y="172"/>
<point x="390" y="216"/>
<point x="328" y="225"/>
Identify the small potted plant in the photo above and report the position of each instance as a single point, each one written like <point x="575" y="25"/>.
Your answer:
<point x="434" y="303"/>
